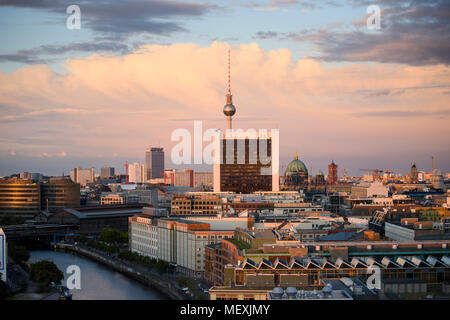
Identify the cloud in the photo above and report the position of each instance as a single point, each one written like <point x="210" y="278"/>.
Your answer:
<point x="405" y="114"/>
<point x="123" y="18"/>
<point x="266" y="35"/>
<point x="34" y="56"/>
<point x="412" y="32"/>
<point x="283" y="2"/>
<point x="106" y="104"/>
<point x="48" y="114"/>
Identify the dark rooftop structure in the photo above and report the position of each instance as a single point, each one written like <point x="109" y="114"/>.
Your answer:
<point x="92" y="220"/>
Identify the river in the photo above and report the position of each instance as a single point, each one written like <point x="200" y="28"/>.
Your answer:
<point x="97" y="281"/>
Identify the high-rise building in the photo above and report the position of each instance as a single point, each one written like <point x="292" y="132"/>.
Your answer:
<point x="245" y="162"/>
<point x="59" y="193"/>
<point x="82" y="176"/>
<point x="154" y="163"/>
<point x="106" y="172"/>
<point x="136" y="173"/>
<point x="414" y="174"/>
<point x="332" y="173"/>
<point x="20" y="197"/>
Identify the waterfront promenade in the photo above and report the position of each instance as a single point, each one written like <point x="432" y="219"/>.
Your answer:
<point x="164" y="283"/>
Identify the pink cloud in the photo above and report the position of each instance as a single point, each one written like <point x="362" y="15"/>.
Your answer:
<point x="120" y="104"/>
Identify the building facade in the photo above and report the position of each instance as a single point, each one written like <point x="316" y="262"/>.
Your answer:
<point x="82" y="176"/>
<point x="107" y="172"/>
<point x="154" y="163"/>
<point x="197" y="205"/>
<point x="332" y="173"/>
<point x="136" y="173"/>
<point x="180" y="242"/>
<point x="59" y="193"/>
<point x="203" y="179"/>
<point x="246" y="162"/>
<point x="20" y="197"/>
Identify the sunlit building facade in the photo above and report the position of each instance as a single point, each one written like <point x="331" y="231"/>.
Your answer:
<point x="20" y="197"/>
<point x="246" y="162"/>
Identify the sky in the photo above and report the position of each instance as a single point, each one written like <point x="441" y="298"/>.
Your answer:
<point x="137" y="70"/>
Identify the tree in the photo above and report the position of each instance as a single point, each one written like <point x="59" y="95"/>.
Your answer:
<point x="112" y="235"/>
<point x="45" y="272"/>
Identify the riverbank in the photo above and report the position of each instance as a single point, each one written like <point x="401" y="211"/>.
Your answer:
<point x="164" y="284"/>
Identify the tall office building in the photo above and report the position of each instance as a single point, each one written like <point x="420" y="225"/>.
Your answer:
<point x="59" y="193"/>
<point x="20" y="197"/>
<point x="154" y="163"/>
<point x="414" y="174"/>
<point x="245" y="162"/>
<point x="82" y="176"/>
<point x="106" y="172"/>
<point x="136" y="173"/>
<point x="332" y="173"/>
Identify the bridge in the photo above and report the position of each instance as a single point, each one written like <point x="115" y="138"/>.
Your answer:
<point x="15" y="232"/>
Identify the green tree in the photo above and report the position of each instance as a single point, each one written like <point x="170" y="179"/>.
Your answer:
<point x="113" y="236"/>
<point x="45" y="272"/>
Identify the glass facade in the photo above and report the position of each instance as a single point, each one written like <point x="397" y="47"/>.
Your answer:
<point x="20" y="197"/>
<point x="245" y="165"/>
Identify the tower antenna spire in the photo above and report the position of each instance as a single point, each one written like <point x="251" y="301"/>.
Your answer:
<point x="229" y="71"/>
<point x="229" y="109"/>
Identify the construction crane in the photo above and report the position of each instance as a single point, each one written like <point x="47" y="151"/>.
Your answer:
<point x="375" y="171"/>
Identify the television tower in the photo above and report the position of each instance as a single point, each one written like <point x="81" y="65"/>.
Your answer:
<point x="229" y="109"/>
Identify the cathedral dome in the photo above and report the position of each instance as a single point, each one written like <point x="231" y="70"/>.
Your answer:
<point x="296" y="166"/>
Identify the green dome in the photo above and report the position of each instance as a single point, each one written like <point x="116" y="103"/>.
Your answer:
<point x="320" y="173"/>
<point x="296" y="166"/>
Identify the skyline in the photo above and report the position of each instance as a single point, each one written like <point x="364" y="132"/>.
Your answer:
<point x="99" y="96"/>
